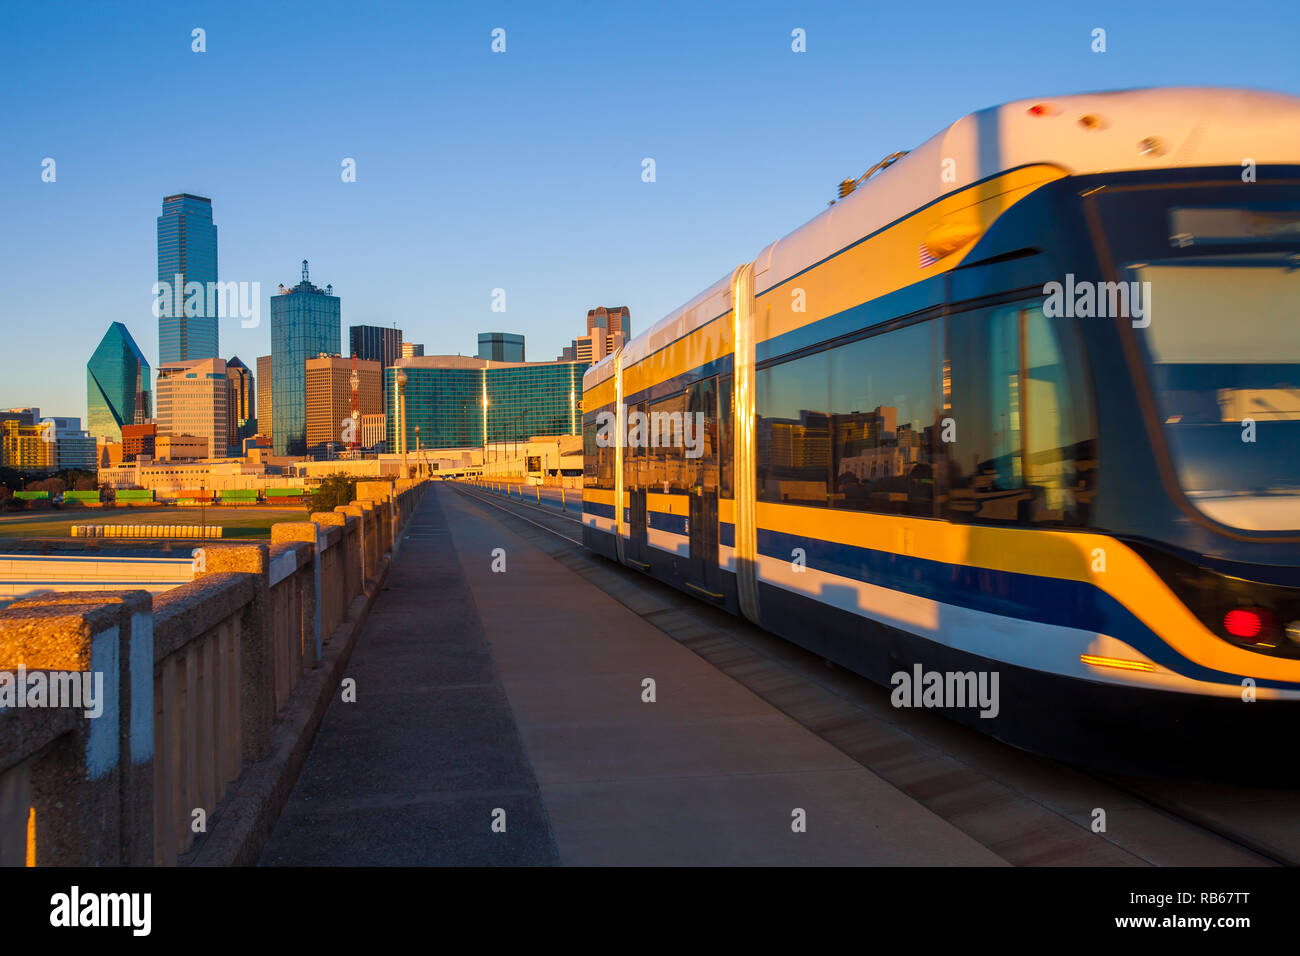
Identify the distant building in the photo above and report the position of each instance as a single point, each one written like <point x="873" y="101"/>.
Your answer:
<point x="192" y="402"/>
<point x="182" y="447"/>
<point x="305" y="322"/>
<point x="187" y="252"/>
<point x="374" y="432"/>
<point x="27" y="447"/>
<point x="444" y="396"/>
<point x="138" y="440"/>
<point x="375" y="343"/>
<point x="264" y="396"/>
<point x="77" y="449"/>
<point x="501" y="346"/>
<point x="241" y="403"/>
<point x="329" y="400"/>
<point x="117" y="385"/>
<point x="608" y="329"/>
<point x="411" y="350"/>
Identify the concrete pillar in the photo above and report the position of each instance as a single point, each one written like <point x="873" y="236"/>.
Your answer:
<point x="346" y="564"/>
<point x="304" y="531"/>
<point x="363" y="543"/>
<point x="89" y="779"/>
<point x="256" y="634"/>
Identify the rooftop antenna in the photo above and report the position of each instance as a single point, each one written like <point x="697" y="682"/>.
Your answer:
<point x="304" y="270"/>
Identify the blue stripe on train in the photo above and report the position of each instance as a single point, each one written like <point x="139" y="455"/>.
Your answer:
<point x="661" y="521"/>
<point x="598" y="509"/>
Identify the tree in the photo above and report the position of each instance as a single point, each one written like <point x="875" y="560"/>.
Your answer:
<point x="333" y="491"/>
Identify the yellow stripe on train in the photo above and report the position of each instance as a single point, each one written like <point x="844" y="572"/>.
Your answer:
<point x="1096" y="559"/>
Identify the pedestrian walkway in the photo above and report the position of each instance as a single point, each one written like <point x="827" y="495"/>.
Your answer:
<point x="524" y="690"/>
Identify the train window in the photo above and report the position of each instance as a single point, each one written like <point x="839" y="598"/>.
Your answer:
<point x="701" y="442"/>
<point x="882" y="421"/>
<point x="598" y="459"/>
<point x="668" y="470"/>
<point x="1021" y="445"/>
<point x="792" y="430"/>
<point x="724" y="437"/>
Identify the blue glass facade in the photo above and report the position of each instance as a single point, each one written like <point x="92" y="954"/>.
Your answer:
<point x="501" y="346"/>
<point x="447" y="403"/>
<point x="305" y="321"/>
<point x="187" y="247"/>
<point x="117" y="385"/>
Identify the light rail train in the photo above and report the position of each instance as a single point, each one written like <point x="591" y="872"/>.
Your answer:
<point x="1025" y="402"/>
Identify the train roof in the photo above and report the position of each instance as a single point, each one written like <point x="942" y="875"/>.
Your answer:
<point x="1081" y="133"/>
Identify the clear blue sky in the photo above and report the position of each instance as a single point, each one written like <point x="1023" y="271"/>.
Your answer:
<point x="519" y="170"/>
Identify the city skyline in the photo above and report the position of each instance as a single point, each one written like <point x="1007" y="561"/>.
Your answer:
<point x="461" y="209"/>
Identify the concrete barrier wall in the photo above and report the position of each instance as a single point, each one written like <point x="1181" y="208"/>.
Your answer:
<point x="192" y="682"/>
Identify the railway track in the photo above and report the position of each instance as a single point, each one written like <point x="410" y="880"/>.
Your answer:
<point x="1029" y="809"/>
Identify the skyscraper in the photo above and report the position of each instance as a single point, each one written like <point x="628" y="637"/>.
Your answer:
<point x="412" y="350"/>
<point x="305" y="322"/>
<point x="117" y="385"/>
<point x="501" y="346"/>
<point x="241" y="402"/>
<point x="264" y="396"/>
<point x="375" y="343"/>
<point x="187" y="252"/>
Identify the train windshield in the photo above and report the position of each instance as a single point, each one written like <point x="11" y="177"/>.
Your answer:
<point x="1218" y="312"/>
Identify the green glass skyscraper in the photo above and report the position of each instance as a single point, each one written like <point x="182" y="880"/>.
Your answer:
<point x="305" y="322"/>
<point x="117" y="385"/>
<point x="187" y="252"/>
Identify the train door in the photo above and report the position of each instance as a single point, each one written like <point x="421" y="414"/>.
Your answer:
<point x="635" y="480"/>
<point x="700" y="431"/>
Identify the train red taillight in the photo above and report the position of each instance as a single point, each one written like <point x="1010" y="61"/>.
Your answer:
<point x="1242" y="622"/>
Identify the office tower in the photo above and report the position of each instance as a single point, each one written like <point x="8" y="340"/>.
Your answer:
<point x="117" y="385"/>
<point x="241" y="399"/>
<point x="329" y="400"/>
<point x="305" y="322"/>
<point x="187" y="252"/>
<point x="501" y="346"/>
<point x="264" y="396"/>
<point x="192" y="402"/>
<point x="411" y="350"/>
<point x="375" y="343"/>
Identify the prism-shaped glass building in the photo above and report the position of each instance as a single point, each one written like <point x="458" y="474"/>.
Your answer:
<point x="117" y="385"/>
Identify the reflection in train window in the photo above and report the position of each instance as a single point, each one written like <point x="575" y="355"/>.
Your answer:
<point x="1024" y="448"/>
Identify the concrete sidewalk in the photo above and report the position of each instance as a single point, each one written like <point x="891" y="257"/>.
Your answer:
<point x="523" y="690"/>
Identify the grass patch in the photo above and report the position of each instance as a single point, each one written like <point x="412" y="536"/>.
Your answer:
<point x="239" y="523"/>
